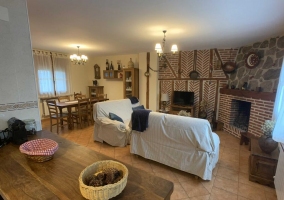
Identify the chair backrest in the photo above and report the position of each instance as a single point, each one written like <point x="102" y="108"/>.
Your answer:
<point x="52" y="107"/>
<point x="64" y="98"/>
<point x="102" y="97"/>
<point x="75" y="94"/>
<point x="83" y="106"/>
<point x="80" y="96"/>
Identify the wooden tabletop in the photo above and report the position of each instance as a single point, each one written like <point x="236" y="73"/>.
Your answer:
<point x="21" y="178"/>
<point x="73" y="103"/>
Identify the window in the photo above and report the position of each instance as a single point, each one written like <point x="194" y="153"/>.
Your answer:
<point x="52" y="73"/>
<point x="278" y="112"/>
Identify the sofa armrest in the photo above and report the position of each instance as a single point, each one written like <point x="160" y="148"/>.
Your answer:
<point x="106" y="122"/>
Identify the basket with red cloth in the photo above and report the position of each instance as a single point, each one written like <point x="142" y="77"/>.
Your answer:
<point x="39" y="150"/>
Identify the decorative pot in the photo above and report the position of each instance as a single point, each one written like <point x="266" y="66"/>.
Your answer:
<point x="130" y="63"/>
<point x="267" y="144"/>
<point x="202" y="114"/>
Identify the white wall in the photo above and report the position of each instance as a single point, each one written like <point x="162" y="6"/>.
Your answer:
<point x="142" y="78"/>
<point x="18" y="94"/>
<point x="79" y="78"/>
<point x="154" y="84"/>
<point x="113" y="88"/>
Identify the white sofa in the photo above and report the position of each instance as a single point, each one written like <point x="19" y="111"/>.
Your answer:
<point x="184" y="143"/>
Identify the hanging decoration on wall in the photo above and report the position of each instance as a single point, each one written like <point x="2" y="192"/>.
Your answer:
<point x="230" y="66"/>
<point x="194" y="74"/>
<point x="251" y="60"/>
<point x="97" y="71"/>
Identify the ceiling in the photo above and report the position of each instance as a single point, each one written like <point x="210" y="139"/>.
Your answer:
<point x="115" y="27"/>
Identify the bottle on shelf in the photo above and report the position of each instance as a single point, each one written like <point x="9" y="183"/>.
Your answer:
<point x="107" y="64"/>
<point x="118" y="65"/>
<point x="111" y="66"/>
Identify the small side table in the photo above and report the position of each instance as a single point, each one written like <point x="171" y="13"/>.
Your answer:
<point x="262" y="166"/>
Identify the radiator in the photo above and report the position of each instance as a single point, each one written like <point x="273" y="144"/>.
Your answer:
<point x="279" y="176"/>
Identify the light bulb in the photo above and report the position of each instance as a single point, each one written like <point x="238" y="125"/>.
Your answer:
<point x="174" y="48"/>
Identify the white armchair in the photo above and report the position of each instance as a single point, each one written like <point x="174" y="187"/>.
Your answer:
<point x="110" y="131"/>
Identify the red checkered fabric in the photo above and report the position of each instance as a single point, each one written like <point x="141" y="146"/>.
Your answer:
<point x="45" y="147"/>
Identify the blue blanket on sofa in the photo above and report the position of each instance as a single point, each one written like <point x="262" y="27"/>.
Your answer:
<point x="140" y="119"/>
<point x="133" y="100"/>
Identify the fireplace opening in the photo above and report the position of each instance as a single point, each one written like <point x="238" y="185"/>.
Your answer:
<point x="240" y="113"/>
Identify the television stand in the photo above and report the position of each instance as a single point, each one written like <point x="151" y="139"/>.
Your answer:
<point x="176" y="108"/>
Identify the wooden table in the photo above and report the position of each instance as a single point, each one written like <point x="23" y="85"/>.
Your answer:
<point x="71" y="104"/>
<point x="21" y="178"/>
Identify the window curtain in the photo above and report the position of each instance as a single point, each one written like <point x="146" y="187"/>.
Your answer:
<point x="43" y="69"/>
<point x="61" y="67"/>
<point x="278" y="112"/>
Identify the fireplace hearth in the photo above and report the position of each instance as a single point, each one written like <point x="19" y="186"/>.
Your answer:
<point x="240" y="114"/>
<point x="256" y="107"/>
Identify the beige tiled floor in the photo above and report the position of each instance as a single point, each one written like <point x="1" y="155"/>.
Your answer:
<point x="230" y="180"/>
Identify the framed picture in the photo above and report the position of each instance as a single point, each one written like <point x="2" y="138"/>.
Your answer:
<point x="97" y="71"/>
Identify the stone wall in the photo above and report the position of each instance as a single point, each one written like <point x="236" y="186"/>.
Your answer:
<point x="266" y="73"/>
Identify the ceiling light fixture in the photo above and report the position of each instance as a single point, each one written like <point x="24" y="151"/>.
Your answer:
<point x="77" y="59"/>
<point x="160" y="51"/>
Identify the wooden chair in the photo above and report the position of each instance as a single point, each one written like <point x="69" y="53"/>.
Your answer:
<point x="64" y="98"/>
<point x="92" y="101"/>
<point x="75" y="95"/>
<point x="102" y="97"/>
<point x="80" y="96"/>
<point x="54" y="114"/>
<point x="82" y="113"/>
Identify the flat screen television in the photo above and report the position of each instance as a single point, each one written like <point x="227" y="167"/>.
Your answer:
<point x="183" y="98"/>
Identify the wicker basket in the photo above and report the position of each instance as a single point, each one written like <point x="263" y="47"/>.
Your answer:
<point x="39" y="150"/>
<point x="103" y="192"/>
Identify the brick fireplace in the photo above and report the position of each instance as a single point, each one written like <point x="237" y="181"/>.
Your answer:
<point x="239" y="103"/>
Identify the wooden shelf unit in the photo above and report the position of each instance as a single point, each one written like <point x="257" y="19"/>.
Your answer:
<point x="112" y="74"/>
<point x="131" y="82"/>
<point x="95" y="90"/>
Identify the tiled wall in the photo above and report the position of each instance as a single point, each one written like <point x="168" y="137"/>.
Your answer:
<point x="18" y="96"/>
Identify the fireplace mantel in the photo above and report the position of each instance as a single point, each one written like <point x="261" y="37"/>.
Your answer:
<point x="268" y="96"/>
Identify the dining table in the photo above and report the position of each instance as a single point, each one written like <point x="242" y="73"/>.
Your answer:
<point x="73" y="104"/>
<point x="58" y="178"/>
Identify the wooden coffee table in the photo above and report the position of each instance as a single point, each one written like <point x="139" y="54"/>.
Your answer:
<point x="58" y="178"/>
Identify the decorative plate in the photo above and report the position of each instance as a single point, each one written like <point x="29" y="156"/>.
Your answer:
<point x="252" y="60"/>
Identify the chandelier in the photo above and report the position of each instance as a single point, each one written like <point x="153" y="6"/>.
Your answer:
<point x="160" y="51"/>
<point x="77" y="59"/>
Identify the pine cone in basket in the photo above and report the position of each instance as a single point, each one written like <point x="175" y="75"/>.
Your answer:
<point x="111" y="175"/>
<point x="89" y="178"/>
<point x="119" y="176"/>
<point x="101" y="176"/>
<point x="96" y="182"/>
